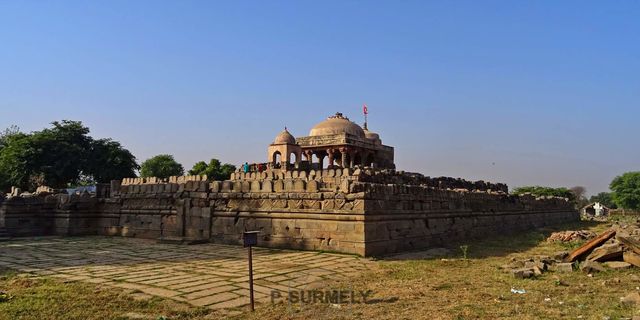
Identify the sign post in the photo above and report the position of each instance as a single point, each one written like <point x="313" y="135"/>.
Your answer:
<point x="250" y="239"/>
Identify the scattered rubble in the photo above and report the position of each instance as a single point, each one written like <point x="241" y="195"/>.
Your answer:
<point x="631" y="258"/>
<point x="569" y="236"/>
<point x="617" y="248"/>
<point x="607" y="252"/>
<point x="563" y="267"/>
<point x="591" y="267"/>
<point x="617" y="265"/>
<point x="589" y="246"/>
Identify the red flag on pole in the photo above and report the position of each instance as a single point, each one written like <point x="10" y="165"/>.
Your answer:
<point x="365" y="109"/>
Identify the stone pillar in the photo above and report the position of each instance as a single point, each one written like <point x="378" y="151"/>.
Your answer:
<point x="344" y="157"/>
<point x="286" y="160"/>
<point x="331" y="154"/>
<point x="352" y="157"/>
<point x="298" y="158"/>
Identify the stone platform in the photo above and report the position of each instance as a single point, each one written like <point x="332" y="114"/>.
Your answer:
<point x="208" y="275"/>
<point x="366" y="212"/>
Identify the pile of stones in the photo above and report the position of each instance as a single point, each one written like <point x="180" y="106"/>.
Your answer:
<point x="617" y="248"/>
<point x="536" y="266"/>
<point x="570" y="236"/>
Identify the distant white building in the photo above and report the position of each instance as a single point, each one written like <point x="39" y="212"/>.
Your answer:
<point x="595" y="209"/>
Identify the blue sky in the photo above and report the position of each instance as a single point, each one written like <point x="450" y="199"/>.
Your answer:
<point x="522" y="92"/>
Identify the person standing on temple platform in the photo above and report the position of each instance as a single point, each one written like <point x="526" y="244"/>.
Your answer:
<point x="245" y="167"/>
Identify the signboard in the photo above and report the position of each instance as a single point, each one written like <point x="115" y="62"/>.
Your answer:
<point x="250" y="238"/>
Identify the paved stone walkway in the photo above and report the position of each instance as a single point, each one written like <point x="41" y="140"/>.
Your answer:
<point x="208" y="275"/>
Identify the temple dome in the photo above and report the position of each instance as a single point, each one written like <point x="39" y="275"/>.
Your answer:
<point x="337" y="124"/>
<point x="285" y="137"/>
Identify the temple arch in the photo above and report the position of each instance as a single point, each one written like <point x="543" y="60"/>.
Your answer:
<point x="276" y="159"/>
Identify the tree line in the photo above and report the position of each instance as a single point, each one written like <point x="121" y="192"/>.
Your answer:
<point x="625" y="193"/>
<point x="65" y="155"/>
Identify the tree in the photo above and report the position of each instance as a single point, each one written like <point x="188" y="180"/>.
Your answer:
<point x="214" y="169"/>
<point x="7" y="133"/>
<point x="579" y="193"/>
<point x="626" y="190"/>
<point x="15" y="166"/>
<point x="539" y="191"/>
<point x="199" y="168"/>
<point x="61" y="153"/>
<point x="161" y="166"/>
<point x="59" y="157"/>
<point x="108" y="160"/>
<point x="605" y="198"/>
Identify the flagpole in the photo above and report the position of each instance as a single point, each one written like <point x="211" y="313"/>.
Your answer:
<point x="366" y="113"/>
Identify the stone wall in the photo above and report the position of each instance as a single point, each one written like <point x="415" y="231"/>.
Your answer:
<point x="332" y="210"/>
<point x="401" y="218"/>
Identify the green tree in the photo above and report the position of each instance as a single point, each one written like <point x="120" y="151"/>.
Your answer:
<point x="605" y="198"/>
<point x="199" y="168"/>
<point x="626" y="190"/>
<point x="161" y="166"/>
<point x="108" y="160"/>
<point x="61" y="153"/>
<point x="59" y="156"/>
<point x="214" y="169"/>
<point x="15" y="164"/>
<point x="7" y="133"/>
<point x="539" y="191"/>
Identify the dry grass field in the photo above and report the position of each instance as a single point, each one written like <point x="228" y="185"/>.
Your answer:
<point x="449" y="287"/>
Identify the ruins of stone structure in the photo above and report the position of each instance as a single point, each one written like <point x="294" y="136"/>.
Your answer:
<point x="343" y="208"/>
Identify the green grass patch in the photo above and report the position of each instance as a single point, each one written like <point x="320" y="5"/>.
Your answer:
<point x="43" y="298"/>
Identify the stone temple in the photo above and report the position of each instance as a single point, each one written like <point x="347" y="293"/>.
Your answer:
<point x="340" y="141"/>
<point x="334" y="190"/>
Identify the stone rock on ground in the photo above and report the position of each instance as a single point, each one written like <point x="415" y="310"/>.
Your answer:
<point x="591" y="267"/>
<point x="560" y="256"/>
<point x="630" y="243"/>
<point x="617" y="265"/>
<point x="523" y="273"/>
<point x="536" y="264"/>
<point x="632" y="258"/>
<point x="632" y="298"/>
<point x="564" y="267"/>
<point x="588" y="247"/>
<point x="606" y="252"/>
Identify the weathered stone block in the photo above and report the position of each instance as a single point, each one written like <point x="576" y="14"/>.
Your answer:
<point x="278" y="186"/>
<point x="299" y="185"/>
<point x="606" y="252"/>
<point x="267" y="186"/>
